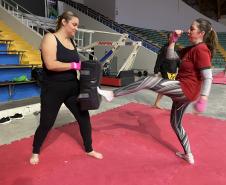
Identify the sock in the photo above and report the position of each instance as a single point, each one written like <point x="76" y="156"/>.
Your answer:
<point x="108" y="95"/>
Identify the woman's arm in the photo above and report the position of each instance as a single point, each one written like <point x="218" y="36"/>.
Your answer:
<point x="206" y="82"/>
<point x="201" y="104"/>
<point x="171" y="54"/>
<point x="49" y="49"/>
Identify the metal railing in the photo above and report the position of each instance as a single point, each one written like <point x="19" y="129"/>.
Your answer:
<point x="30" y="20"/>
<point x="42" y="25"/>
<point x="110" y="23"/>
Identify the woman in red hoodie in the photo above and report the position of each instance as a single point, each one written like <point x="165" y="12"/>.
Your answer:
<point x="193" y="82"/>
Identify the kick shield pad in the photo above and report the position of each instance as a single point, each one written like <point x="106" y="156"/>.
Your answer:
<point x="90" y="78"/>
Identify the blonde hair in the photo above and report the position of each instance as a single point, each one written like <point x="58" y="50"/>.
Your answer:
<point x="67" y="15"/>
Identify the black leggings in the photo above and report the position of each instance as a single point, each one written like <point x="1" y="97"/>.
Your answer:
<point x="170" y="88"/>
<point x="53" y="95"/>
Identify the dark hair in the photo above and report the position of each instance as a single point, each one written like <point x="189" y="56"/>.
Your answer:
<point x="67" y="15"/>
<point x="210" y="37"/>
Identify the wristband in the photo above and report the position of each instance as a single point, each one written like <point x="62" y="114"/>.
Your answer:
<point x="176" y="34"/>
<point x="76" y="65"/>
<point x="174" y="37"/>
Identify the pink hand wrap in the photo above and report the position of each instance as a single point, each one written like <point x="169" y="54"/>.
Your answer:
<point x="200" y="105"/>
<point x="174" y="37"/>
<point x="176" y="34"/>
<point x="76" y="65"/>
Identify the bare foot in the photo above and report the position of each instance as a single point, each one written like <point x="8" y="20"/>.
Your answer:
<point x="157" y="107"/>
<point x="95" y="154"/>
<point x="34" y="159"/>
<point x="108" y="95"/>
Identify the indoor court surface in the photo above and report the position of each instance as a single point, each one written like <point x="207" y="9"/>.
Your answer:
<point x="69" y="50"/>
<point x="138" y="145"/>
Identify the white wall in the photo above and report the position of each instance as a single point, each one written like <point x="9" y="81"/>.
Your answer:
<point x="223" y="20"/>
<point x="105" y="7"/>
<point x="155" y="14"/>
<point x="158" y="14"/>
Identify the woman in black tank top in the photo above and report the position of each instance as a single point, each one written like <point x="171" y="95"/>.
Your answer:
<point x="60" y="84"/>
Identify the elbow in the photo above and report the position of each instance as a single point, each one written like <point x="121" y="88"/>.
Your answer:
<point x="50" y="67"/>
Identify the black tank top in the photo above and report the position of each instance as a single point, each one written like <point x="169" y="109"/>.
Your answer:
<point x="65" y="55"/>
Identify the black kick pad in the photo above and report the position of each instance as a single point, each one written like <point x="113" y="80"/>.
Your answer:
<point x="90" y="78"/>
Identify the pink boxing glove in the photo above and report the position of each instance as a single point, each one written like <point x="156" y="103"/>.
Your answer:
<point x="76" y="65"/>
<point x="174" y="37"/>
<point x="200" y="105"/>
<point x="176" y="34"/>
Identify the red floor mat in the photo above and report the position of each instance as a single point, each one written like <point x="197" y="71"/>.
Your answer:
<point x="219" y="78"/>
<point x="138" y="146"/>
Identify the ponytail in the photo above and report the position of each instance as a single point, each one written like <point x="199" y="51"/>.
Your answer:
<point x="211" y="41"/>
<point x="210" y="37"/>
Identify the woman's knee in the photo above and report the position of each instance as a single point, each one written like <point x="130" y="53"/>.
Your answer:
<point x="174" y="125"/>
